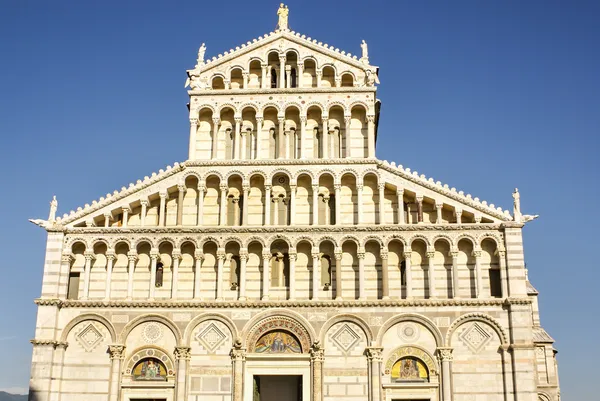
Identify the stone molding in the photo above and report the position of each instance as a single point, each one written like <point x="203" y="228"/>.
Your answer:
<point x="286" y="304"/>
<point x="46" y="342"/>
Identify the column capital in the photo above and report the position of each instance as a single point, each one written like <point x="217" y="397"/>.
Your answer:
<point x="281" y="119"/>
<point x="477" y="253"/>
<point x="400" y="191"/>
<point x="268" y="187"/>
<point x="259" y="119"/>
<point x="110" y="254"/>
<point x="315" y="187"/>
<point x="374" y="354"/>
<point x="370" y="118"/>
<point x="126" y="209"/>
<point x="293" y="186"/>
<point x="381" y="186"/>
<point x="445" y="354"/>
<point x="163" y="194"/>
<point x="359" y="187"/>
<point x="361" y="253"/>
<point x="154" y="254"/>
<point x="67" y="257"/>
<point x="116" y="351"/>
<point x="430" y="254"/>
<point x="293" y="255"/>
<point x="266" y="255"/>
<point x="245" y="73"/>
<point x="439" y="205"/>
<point x="193" y="121"/>
<point x="198" y="254"/>
<point x="176" y="254"/>
<point x="338" y="254"/>
<point x="501" y="253"/>
<point x="317" y="352"/>
<point x="201" y="188"/>
<point x="238" y="119"/>
<point x="132" y="256"/>
<point x="458" y="212"/>
<point x="183" y="353"/>
<point x="264" y="65"/>
<point x="383" y="253"/>
<point x="477" y="218"/>
<point x="89" y="255"/>
<point x="453" y="254"/>
<point x="347" y="120"/>
<point x="407" y="253"/>
<point x="419" y="198"/>
<point x="337" y="187"/>
<point x="223" y="187"/>
<point x="144" y="202"/>
<point x="216" y="120"/>
<point x="238" y="354"/>
<point x="107" y="215"/>
<point x="282" y="57"/>
<point x="244" y="254"/>
<point x="303" y="119"/>
<point x="300" y="64"/>
<point x="181" y="187"/>
<point x="319" y="73"/>
<point x="245" y="187"/>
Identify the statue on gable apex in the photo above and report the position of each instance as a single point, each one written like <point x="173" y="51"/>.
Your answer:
<point x="201" y="51"/>
<point x="516" y="205"/>
<point x="365" y="52"/>
<point x="283" y="13"/>
<point x="53" y="208"/>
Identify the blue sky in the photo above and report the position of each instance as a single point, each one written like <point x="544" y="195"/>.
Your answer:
<point x="483" y="95"/>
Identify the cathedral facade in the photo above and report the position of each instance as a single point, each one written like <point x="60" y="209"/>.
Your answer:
<point x="283" y="260"/>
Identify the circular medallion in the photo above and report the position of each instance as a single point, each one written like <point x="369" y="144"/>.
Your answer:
<point x="408" y="331"/>
<point x="152" y="332"/>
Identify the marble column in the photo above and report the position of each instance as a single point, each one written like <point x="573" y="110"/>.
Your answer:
<point x="288" y="76"/>
<point x="371" y="136"/>
<point x="431" y="273"/>
<point x="200" y="217"/>
<point x="338" y="274"/>
<point x="107" y="219"/>
<point x="182" y="190"/>
<point x="215" y="137"/>
<point x="259" y="135"/>
<point x="325" y="136"/>
<point x="438" y="210"/>
<point x="220" y="261"/>
<point x="317" y="357"/>
<point x="238" y="359"/>
<point x="361" y="274"/>
<point x="319" y="74"/>
<point x="445" y="356"/>
<point x="292" y="204"/>
<point x="117" y="354"/>
<point x="263" y="79"/>
<point x="89" y="256"/>
<point x="347" y="137"/>
<point x="266" y="275"/>
<point x="281" y="137"/>
<point x="338" y="201"/>
<point x="503" y="272"/>
<point x="458" y="214"/>
<point x="199" y="257"/>
<point x="193" y="131"/>
<point x="374" y="358"/>
<point x="153" y="260"/>
<point x="419" y="208"/>
<point x="455" y="278"/>
<point x="144" y="203"/>
<point x="359" y="202"/>
<point x="236" y="141"/>
<point x="162" y="212"/>
<point x="400" y="196"/>
<point x="299" y="76"/>
<point x="408" y="272"/>
<point x="338" y="82"/>
<point x="242" y="278"/>
<point x="235" y="203"/>
<point x="110" y="259"/>
<point x="381" y="188"/>
<point x="315" y="205"/>
<point x="281" y="71"/>
<point x="246" y="190"/>
<point x="267" y="205"/>
<point x="275" y="211"/>
<point x="293" y="257"/>
<point x="182" y="360"/>
<point x="244" y="146"/>
<point x="245" y="80"/>
<point x="65" y="269"/>
<point x="126" y="211"/>
<point x="478" y="278"/>
<point x="132" y="257"/>
<point x="223" y="205"/>
<point x="176" y="255"/>
<point x="315" y="273"/>
<point x="385" y="273"/>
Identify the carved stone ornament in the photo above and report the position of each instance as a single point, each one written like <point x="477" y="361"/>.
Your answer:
<point x="445" y="354"/>
<point x="183" y="353"/>
<point x="116" y="351"/>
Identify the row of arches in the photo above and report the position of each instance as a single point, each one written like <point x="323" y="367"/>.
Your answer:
<point x="329" y="269"/>
<point x="293" y="133"/>
<point x="284" y="70"/>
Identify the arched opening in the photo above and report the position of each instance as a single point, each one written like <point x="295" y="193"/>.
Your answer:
<point x="326" y="208"/>
<point x="410" y="370"/>
<point x="280" y="268"/>
<point x="280" y="206"/>
<point x="218" y="83"/>
<point x="326" y="267"/>
<point x="255" y="75"/>
<point x="313" y="131"/>
<point x="328" y="78"/>
<point x="273" y="68"/>
<point x="309" y="77"/>
<point x="149" y="369"/>
<point x="236" y="80"/>
<point x="347" y="80"/>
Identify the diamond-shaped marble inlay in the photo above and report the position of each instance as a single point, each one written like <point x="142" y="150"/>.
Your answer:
<point x="89" y="337"/>
<point x="345" y="338"/>
<point x="475" y="337"/>
<point x="211" y="337"/>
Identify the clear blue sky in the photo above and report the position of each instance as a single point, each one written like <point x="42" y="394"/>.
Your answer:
<point x="483" y="95"/>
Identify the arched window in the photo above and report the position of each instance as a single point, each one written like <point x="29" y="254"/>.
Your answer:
<point x="234" y="267"/>
<point x="326" y="271"/>
<point x="273" y="78"/>
<point x="150" y="369"/>
<point x="410" y="369"/>
<point x="280" y="268"/>
<point x="293" y="78"/>
<point x="495" y="285"/>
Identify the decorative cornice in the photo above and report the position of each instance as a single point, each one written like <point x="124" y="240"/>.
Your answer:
<point x="285" y="304"/>
<point x="47" y="342"/>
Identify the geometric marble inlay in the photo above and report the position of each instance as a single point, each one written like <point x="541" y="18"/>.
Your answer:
<point x="89" y="337"/>
<point x="152" y="332"/>
<point x="211" y="337"/>
<point x="345" y="338"/>
<point x="475" y="337"/>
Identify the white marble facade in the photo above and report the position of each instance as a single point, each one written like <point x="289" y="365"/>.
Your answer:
<point x="283" y="260"/>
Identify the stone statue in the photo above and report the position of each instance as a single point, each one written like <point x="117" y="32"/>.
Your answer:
<point x="53" y="207"/>
<point x="516" y="205"/>
<point x="201" y="51"/>
<point x="283" y="17"/>
<point x="365" y="50"/>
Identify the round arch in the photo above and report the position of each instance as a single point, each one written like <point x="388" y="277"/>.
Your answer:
<point x="150" y="318"/>
<point x="346" y="318"/>
<point x="85" y="317"/>
<point x="412" y="317"/>
<point x="477" y="317"/>
<point x="209" y="316"/>
<point x="279" y="318"/>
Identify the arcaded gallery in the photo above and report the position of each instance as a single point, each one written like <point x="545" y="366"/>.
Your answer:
<point x="284" y="262"/>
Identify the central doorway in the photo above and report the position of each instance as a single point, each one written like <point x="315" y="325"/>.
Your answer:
<point x="277" y="388"/>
